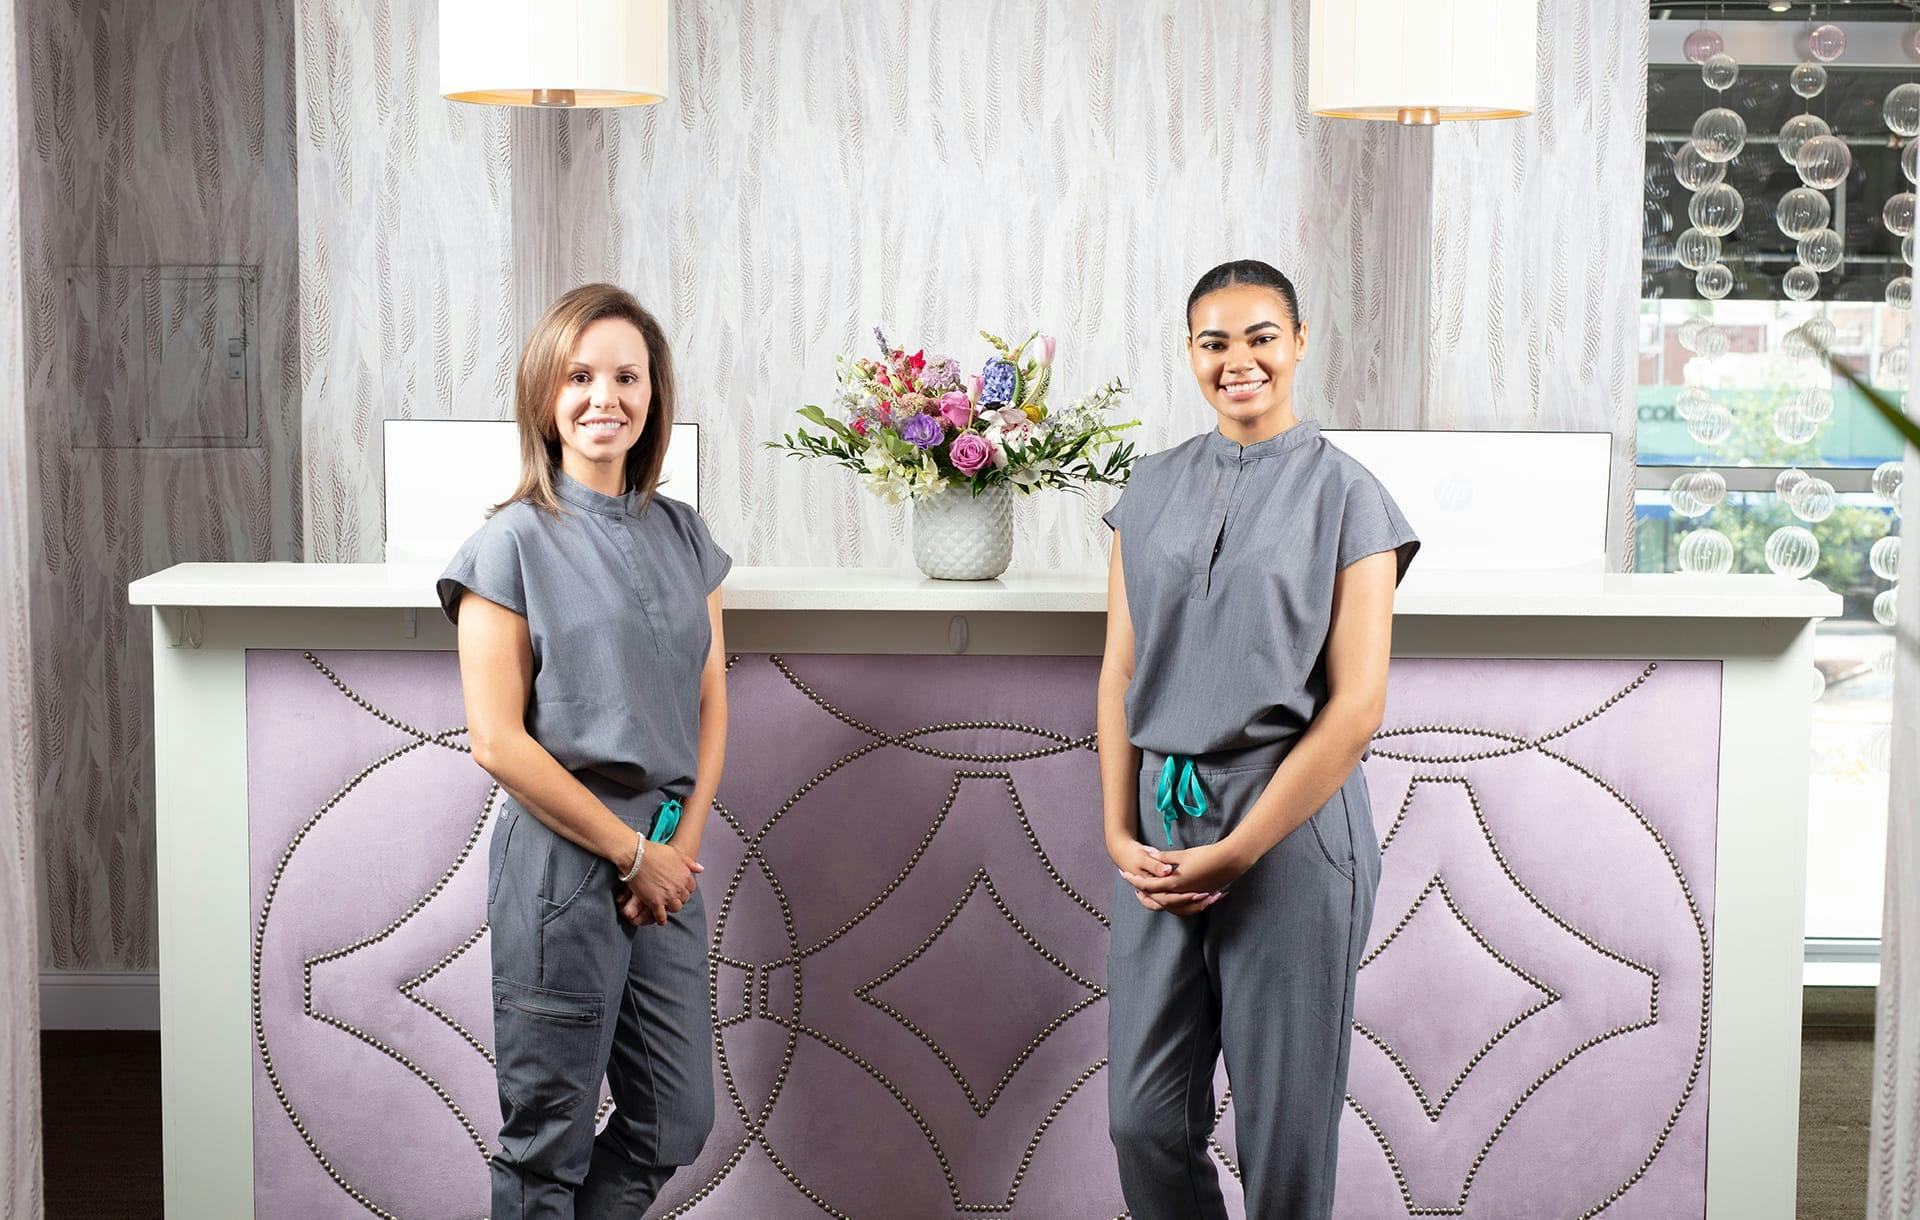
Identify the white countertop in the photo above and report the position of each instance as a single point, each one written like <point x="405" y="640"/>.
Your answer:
<point x="1495" y="594"/>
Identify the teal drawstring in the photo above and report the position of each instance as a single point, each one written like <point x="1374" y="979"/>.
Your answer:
<point x="665" y="820"/>
<point x="1185" y="796"/>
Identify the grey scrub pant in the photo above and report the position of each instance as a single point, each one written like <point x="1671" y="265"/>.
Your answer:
<point x="579" y="993"/>
<point x="1266" y="975"/>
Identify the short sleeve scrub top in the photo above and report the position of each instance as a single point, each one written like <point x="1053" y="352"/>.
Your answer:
<point x="1230" y="553"/>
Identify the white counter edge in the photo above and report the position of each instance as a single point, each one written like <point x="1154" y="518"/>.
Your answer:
<point x="1480" y="594"/>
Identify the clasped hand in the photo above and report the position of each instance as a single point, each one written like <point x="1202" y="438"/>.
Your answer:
<point x="1180" y="882"/>
<point x="663" y="885"/>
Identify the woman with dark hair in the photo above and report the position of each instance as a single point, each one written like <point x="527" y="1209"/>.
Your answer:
<point x="588" y="611"/>
<point x="1245" y="673"/>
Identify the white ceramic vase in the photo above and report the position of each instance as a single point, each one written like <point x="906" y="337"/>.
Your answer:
<point x="960" y="536"/>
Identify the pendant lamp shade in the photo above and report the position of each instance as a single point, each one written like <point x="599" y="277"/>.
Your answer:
<point x="554" y="52"/>
<point x="1421" y="61"/>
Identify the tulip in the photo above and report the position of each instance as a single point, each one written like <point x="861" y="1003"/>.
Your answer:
<point x="975" y="384"/>
<point x="1047" y="347"/>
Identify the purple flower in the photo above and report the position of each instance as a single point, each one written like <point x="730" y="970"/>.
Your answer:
<point x="956" y="409"/>
<point x="997" y="382"/>
<point x="885" y="351"/>
<point x="922" y="430"/>
<point x="970" y="453"/>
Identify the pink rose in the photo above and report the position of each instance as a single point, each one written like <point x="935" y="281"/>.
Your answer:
<point x="956" y="410"/>
<point x="970" y="452"/>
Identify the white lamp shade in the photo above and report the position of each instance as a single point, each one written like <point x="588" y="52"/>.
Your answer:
<point x="554" y="52"/>
<point x="1421" y="61"/>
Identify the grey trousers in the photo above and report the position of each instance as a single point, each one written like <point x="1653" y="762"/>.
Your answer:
<point x="579" y="993"/>
<point x="1266" y="976"/>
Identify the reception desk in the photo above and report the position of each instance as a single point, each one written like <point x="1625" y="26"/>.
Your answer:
<point x="1581" y="994"/>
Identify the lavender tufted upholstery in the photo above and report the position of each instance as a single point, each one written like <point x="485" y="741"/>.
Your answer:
<point x="905" y="882"/>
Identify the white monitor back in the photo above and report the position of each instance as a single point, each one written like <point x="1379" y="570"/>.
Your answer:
<point x="444" y="474"/>
<point x="1484" y="501"/>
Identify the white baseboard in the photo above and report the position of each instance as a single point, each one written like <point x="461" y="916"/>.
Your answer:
<point x="99" y="999"/>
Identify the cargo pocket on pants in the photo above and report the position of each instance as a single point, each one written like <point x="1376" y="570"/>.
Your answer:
<point x="546" y="1045"/>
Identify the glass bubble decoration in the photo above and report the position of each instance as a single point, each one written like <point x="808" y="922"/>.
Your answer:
<point x="1682" y="500"/>
<point x="1807" y="79"/>
<point x="1827" y="42"/>
<point x="1710" y="425"/>
<point x="1797" y="131"/>
<point x="1702" y="45"/>
<point x="1819" y="330"/>
<point x="1688" y="332"/>
<point x="1691" y="401"/>
<point x="1720" y="71"/>
<point x="1813" y="500"/>
<point x="1792" y="551"/>
<point x="1787" y="480"/>
<point x="1883" y="609"/>
<point x="1877" y="753"/>
<point x="1720" y="134"/>
<point x="1900" y="292"/>
<point x="1901" y="110"/>
<point x="1819" y="250"/>
<point x="1892" y="369"/>
<point x="1794" y="345"/>
<point x="1705" y="552"/>
<point x="1815" y="402"/>
<point x="1713" y="281"/>
<point x="1695" y="248"/>
<point x="1913" y="40"/>
<point x="1910" y="161"/>
<point x="1823" y="162"/>
<point x="1791" y="424"/>
<point x="1693" y="170"/>
<point x="1712" y="342"/>
<point x="1897" y="215"/>
<point x="1906" y="249"/>
<point x="1883" y="664"/>
<point x="1884" y="558"/>
<point x="1716" y="210"/>
<point x="1800" y="283"/>
<point x="1802" y="211"/>
<point x="1708" y="486"/>
<point x="1887" y="478"/>
<point x="1818" y="683"/>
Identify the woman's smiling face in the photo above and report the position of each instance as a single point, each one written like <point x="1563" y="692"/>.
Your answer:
<point x="601" y="408"/>
<point x="1244" y="347"/>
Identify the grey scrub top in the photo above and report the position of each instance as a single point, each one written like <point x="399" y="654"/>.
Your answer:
<point x="1229" y="554"/>
<point x="614" y="595"/>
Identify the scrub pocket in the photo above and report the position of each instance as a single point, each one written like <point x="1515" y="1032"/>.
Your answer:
<point x="1333" y="833"/>
<point x="547" y="1044"/>
<point x="497" y="848"/>
<point x="567" y="873"/>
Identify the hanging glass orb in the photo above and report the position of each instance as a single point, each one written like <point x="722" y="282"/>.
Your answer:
<point x="1819" y="330"/>
<point x="1693" y="170"/>
<point x="1792" y="426"/>
<point x="1680" y="496"/>
<point x="1709" y="487"/>
<point x="1812" y="501"/>
<point x="1712" y="342"/>
<point x="1696" y="248"/>
<point x="1710" y="424"/>
<point x="1910" y="161"/>
<point x="1906" y="249"/>
<point x="1716" y="210"/>
<point x="1794" y="345"/>
<point x="1883" y="664"/>
<point x="1787" y="480"/>
<point x="1705" y="552"/>
<point x="1688" y="332"/>
<point x="1892" y="369"/>
<point x="1820" y="249"/>
<point x="1823" y="162"/>
<point x="1702" y="45"/>
<point x="1897" y="215"/>
<point x="1720" y="134"/>
<point x="1802" y="211"/>
<point x="1815" y="402"/>
<point x="1900" y="292"/>
<point x="1901" y="110"/>
<point x="1800" y="283"/>
<point x="1792" y="551"/>
<point x="1713" y="281"/>
<point x="1887" y="478"/>
<point x="1691" y="401"/>
<point x="1883" y="607"/>
<point x="1807" y="79"/>
<point x="1797" y="131"/>
<point x="1884" y="558"/>
<point x="1818" y="684"/>
<point x="1720" y="71"/>
<point x="1877" y="753"/>
<point x="1914" y="40"/>
<point x="1827" y="43"/>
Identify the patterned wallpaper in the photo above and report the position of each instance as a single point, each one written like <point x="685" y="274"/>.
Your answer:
<point x="20" y="1172"/>
<point x="149" y="135"/>
<point x="824" y="166"/>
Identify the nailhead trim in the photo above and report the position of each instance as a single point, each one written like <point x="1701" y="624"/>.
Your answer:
<point x="1520" y="745"/>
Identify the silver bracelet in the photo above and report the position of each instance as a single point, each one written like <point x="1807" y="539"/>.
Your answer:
<point x="639" y="850"/>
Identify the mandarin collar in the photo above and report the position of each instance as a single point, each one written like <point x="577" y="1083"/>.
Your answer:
<point x="578" y="494"/>
<point x="1292" y="438"/>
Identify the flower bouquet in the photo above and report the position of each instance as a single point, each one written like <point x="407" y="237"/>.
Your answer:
<point x="958" y="447"/>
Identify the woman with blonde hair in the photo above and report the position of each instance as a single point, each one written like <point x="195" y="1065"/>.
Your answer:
<point x="591" y="658"/>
